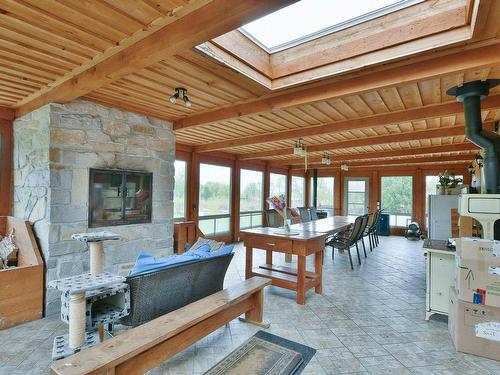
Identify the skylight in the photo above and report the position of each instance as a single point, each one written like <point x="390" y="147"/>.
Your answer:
<point x="310" y="19"/>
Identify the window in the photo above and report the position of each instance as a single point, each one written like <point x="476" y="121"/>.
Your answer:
<point x="298" y="191"/>
<point x="397" y="199"/>
<point x="325" y="195"/>
<point x="277" y="184"/>
<point x="310" y="19"/>
<point x="215" y="199"/>
<point x="356" y="195"/>
<point x="251" y="198"/>
<point x="119" y="197"/>
<point x="180" y="190"/>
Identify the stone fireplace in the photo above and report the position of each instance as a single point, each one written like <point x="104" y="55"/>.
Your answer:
<point x="55" y="148"/>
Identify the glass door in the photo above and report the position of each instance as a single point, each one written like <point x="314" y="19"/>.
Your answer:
<point x="356" y="195"/>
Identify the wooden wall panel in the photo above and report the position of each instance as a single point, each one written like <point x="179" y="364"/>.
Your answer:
<point x="6" y="162"/>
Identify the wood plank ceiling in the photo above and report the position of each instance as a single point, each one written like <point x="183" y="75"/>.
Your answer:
<point x="43" y="43"/>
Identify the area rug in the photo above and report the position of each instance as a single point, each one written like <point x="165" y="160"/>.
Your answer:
<point x="265" y="354"/>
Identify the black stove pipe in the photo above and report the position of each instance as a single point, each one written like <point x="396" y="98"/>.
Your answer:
<point x="471" y="94"/>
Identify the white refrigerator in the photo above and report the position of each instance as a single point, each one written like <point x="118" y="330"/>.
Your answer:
<point x="440" y="215"/>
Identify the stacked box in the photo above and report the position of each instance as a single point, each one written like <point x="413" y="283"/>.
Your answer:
<point x="478" y="271"/>
<point x="474" y="329"/>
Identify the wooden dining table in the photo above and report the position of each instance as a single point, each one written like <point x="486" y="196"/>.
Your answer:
<point x="305" y="239"/>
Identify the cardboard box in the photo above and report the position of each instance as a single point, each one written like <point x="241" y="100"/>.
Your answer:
<point x="474" y="329"/>
<point x="477" y="279"/>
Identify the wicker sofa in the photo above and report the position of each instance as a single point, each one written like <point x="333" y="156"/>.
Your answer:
<point x="156" y="293"/>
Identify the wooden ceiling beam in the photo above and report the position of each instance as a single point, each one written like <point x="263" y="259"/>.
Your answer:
<point x="416" y="160"/>
<point x="449" y="131"/>
<point x="415" y="114"/>
<point x="206" y="21"/>
<point x="459" y="147"/>
<point x="6" y="113"/>
<point x="477" y="58"/>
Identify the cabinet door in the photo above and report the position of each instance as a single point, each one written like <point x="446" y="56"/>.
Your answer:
<point x="442" y="273"/>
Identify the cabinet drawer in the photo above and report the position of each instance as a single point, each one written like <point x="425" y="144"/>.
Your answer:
<point x="275" y="244"/>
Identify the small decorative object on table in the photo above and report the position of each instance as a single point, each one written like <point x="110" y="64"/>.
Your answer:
<point x="278" y="202"/>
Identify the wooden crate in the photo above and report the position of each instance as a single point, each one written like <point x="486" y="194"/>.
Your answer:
<point x="21" y="288"/>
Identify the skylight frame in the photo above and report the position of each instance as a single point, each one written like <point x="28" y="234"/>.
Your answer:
<point x="402" y="4"/>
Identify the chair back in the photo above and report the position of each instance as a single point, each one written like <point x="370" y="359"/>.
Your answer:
<point x="272" y="218"/>
<point x="364" y="224"/>
<point x="304" y="214"/>
<point x="356" y="230"/>
<point x="313" y="213"/>
<point x="376" y="219"/>
<point x="289" y="215"/>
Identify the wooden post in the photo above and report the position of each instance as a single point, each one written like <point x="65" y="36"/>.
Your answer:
<point x="76" y="320"/>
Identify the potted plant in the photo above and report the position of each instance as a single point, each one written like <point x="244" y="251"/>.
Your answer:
<point x="444" y="181"/>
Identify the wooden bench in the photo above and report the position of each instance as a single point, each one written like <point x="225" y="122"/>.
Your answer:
<point x="146" y="346"/>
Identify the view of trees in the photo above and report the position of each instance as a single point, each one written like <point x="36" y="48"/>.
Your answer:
<point x="298" y="191"/>
<point x="215" y="190"/>
<point x="325" y="193"/>
<point x="277" y="184"/>
<point x="180" y="189"/>
<point x="397" y="194"/>
<point x="251" y="190"/>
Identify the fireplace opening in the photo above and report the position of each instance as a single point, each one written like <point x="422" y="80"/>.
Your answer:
<point x="118" y="197"/>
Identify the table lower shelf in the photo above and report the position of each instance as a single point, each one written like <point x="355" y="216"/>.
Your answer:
<point x="286" y="277"/>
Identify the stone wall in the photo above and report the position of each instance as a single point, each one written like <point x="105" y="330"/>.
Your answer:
<point x="54" y="147"/>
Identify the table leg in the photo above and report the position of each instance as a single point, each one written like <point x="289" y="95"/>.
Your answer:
<point x="318" y="269"/>
<point x="249" y="262"/>
<point x="301" y="279"/>
<point x="269" y="257"/>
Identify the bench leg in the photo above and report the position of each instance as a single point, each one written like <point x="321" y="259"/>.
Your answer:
<point x="249" y="262"/>
<point x="256" y="315"/>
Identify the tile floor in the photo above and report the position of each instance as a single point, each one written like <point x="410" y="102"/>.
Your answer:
<point x="368" y="321"/>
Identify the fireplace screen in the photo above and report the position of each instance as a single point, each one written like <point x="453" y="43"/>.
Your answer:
<point x="119" y="197"/>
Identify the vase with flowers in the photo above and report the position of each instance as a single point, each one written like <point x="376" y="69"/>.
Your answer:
<point x="278" y="203"/>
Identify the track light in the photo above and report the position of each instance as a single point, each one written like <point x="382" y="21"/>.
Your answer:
<point x="470" y="169"/>
<point x="187" y="102"/>
<point x="300" y="148"/>
<point x="479" y="160"/>
<point x="173" y="98"/>
<point x="180" y="92"/>
<point x="326" y="159"/>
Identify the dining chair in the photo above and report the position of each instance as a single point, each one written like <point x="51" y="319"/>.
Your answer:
<point x="342" y="242"/>
<point x="371" y="228"/>
<point x="361" y="234"/>
<point x="313" y="213"/>
<point x="272" y="218"/>
<point x="304" y="214"/>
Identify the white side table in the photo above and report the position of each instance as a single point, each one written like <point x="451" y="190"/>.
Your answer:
<point x="440" y="277"/>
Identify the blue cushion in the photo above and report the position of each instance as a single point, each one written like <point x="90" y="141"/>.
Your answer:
<point x="146" y="262"/>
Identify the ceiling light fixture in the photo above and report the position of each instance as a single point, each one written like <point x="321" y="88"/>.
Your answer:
<point x="470" y="169"/>
<point x="300" y="148"/>
<point x="180" y="92"/>
<point x="326" y="159"/>
<point x="479" y="160"/>
<point x="344" y="167"/>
